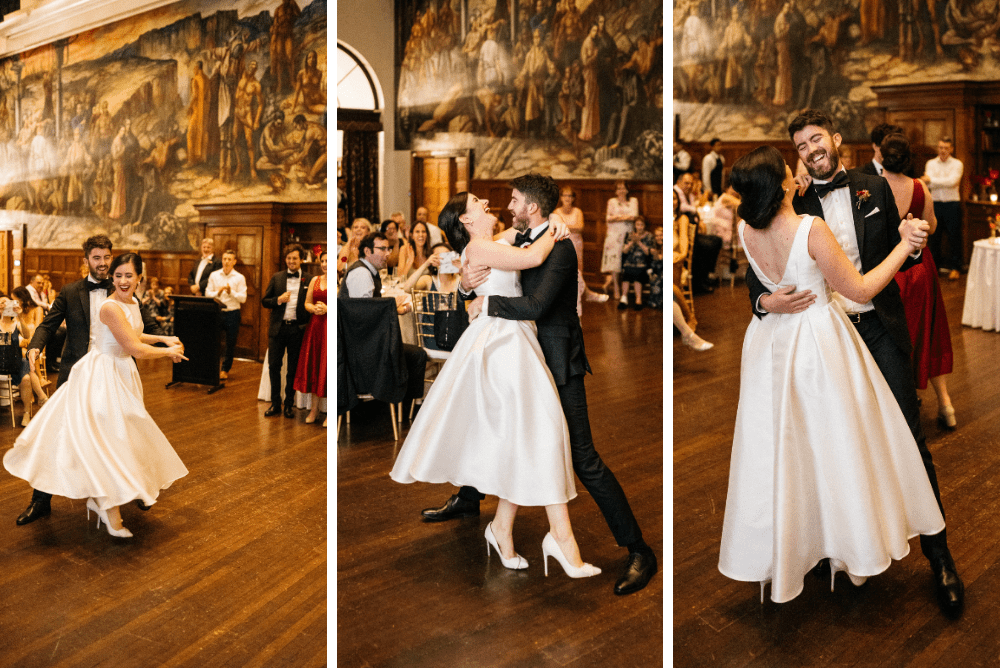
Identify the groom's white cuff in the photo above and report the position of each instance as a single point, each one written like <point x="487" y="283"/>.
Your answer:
<point x="760" y="309"/>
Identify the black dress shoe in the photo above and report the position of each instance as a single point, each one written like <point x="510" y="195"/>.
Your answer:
<point x="622" y="306"/>
<point x="272" y="411"/>
<point x="456" y="507"/>
<point x="639" y="570"/>
<point x="950" y="589"/>
<point x="289" y="412"/>
<point x="34" y="510"/>
<point x="141" y="505"/>
<point x="822" y="570"/>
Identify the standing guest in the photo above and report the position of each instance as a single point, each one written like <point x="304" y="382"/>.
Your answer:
<point x="712" y="166"/>
<point x="310" y="377"/>
<point x="656" y="272"/>
<point x="228" y="287"/>
<point x="36" y="288"/>
<point x="362" y="282"/>
<point x="391" y="231"/>
<point x="286" y="297"/>
<point x="416" y="251"/>
<point x="682" y="160"/>
<point x="436" y="236"/>
<point x="96" y="441"/>
<point x="29" y="317"/>
<point x="621" y="214"/>
<point x="637" y="255"/>
<point x="348" y="254"/>
<point x="11" y="362"/>
<point x="573" y="217"/>
<point x="919" y="288"/>
<point x="78" y="305"/>
<point x="198" y="278"/>
<point x="944" y="176"/>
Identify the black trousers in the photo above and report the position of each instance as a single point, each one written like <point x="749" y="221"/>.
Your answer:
<point x="704" y="258"/>
<point x="288" y="339"/>
<point x="415" y="360"/>
<point x="896" y="368"/>
<point x="231" y="326"/>
<point x="589" y="467"/>
<point x="949" y="217"/>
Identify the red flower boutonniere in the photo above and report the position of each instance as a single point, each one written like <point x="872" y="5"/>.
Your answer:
<point x="863" y="196"/>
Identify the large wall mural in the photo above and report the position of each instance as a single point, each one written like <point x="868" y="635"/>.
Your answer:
<point x="743" y="67"/>
<point x="122" y="129"/>
<point x="570" y="87"/>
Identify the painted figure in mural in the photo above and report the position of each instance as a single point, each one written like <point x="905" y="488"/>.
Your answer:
<point x="77" y="167"/>
<point x="568" y="34"/>
<point x="531" y="81"/>
<point x="81" y="121"/>
<point x="736" y="46"/>
<point x="550" y="91"/>
<point x="970" y="21"/>
<point x="783" y="81"/>
<point x="605" y="67"/>
<point x="118" y="184"/>
<point x="247" y="114"/>
<point x="309" y="87"/>
<point x="103" y="182"/>
<point x="102" y="130"/>
<point x="590" y="123"/>
<point x="872" y="20"/>
<point x="197" y="115"/>
<point x="229" y="71"/>
<point x="274" y="146"/>
<point x="311" y="151"/>
<point x="283" y="45"/>
<point x="130" y="160"/>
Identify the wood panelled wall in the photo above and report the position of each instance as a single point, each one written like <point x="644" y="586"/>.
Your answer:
<point x="592" y="197"/>
<point x="66" y="265"/>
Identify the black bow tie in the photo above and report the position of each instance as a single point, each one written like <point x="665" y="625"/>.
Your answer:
<point x="522" y="238"/>
<point x="839" y="181"/>
<point x="100" y="285"/>
<point x="291" y="275"/>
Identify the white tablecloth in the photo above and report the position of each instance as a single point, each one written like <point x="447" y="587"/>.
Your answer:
<point x="982" y="291"/>
<point x="302" y="401"/>
<point x="406" y="327"/>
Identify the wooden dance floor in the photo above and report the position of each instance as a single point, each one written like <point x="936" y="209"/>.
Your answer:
<point x="894" y="619"/>
<point x="227" y="569"/>
<point x="419" y="594"/>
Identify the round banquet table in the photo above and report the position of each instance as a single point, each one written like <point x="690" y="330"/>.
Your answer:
<point x="982" y="289"/>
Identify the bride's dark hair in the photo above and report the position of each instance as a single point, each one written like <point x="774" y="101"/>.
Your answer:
<point x="449" y="223"/>
<point x="133" y="259"/>
<point x="758" y="177"/>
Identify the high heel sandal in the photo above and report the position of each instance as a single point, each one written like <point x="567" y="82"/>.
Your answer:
<point x="837" y="565"/>
<point x="516" y="563"/>
<point x="550" y="548"/>
<point x="102" y="515"/>
<point x="946" y="417"/>
<point x="696" y="342"/>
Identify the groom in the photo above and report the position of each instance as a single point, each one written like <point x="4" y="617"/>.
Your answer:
<point x="550" y="300"/>
<point x="861" y="212"/>
<point x="78" y="304"/>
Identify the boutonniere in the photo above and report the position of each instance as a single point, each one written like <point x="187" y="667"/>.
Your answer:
<point x="863" y="196"/>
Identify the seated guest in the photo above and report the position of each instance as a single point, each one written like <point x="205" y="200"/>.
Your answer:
<point x="436" y="279"/>
<point x="198" y="278"/>
<point x="656" y="271"/>
<point x="416" y="251"/>
<point x="36" y="288"/>
<point x="636" y="258"/>
<point x="722" y="221"/>
<point x="29" y="318"/>
<point x="436" y="235"/>
<point x="348" y="254"/>
<point x="683" y="317"/>
<point x="402" y="226"/>
<point x="164" y="310"/>
<point x="286" y="297"/>
<point x="228" y="287"/>
<point x="391" y="231"/>
<point x="362" y="281"/>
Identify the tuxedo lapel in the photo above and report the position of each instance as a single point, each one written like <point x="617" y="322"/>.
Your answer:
<point x="85" y="305"/>
<point x="808" y="204"/>
<point x="859" y="220"/>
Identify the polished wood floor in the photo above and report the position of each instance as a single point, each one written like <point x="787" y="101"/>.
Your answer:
<point x="893" y="620"/>
<point x="416" y="594"/>
<point x="227" y="569"/>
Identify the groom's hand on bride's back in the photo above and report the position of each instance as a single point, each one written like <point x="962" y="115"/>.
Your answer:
<point x="786" y="300"/>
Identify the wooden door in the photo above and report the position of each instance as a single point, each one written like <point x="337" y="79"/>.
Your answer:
<point x="436" y="177"/>
<point x="248" y="242"/>
<point x="924" y="127"/>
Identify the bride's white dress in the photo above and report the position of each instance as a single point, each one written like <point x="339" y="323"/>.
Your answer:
<point x="823" y="463"/>
<point x="492" y="419"/>
<point x="94" y="438"/>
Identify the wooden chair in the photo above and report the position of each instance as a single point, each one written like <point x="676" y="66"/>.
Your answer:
<point x="687" y="280"/>
<point x="9" y="391"/>
<point x="425" y="304"/>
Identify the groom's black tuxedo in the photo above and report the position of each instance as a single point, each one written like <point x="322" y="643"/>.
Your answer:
<point x="550" y="300"/>
<point x="876" y="222"/>
<point x="73" y="306"/>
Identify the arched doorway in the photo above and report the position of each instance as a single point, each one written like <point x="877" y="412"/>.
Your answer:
<point x="360" y="140"/>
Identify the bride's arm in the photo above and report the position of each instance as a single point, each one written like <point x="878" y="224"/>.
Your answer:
<point x="508" y="258"/>
<point x="114" y="318"/>
<point x="842" y="275"/>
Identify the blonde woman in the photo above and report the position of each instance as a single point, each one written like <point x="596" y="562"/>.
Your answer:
<point x="620" y="217"/>
<point x="348" y="255"/>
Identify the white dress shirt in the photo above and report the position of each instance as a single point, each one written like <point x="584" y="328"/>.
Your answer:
<point x="840" y="219"/>
<point x="38" y="298"/>
<point x="361" y="284"/>
<point x="878" y="166"/>
<point x="292" y="286"/>
<point x="945" y="177"/>
<point x="708" y="164"/>
<point x="97" y="298"/>
<point x="205" y="262"/>
<point x="237" y="293"/>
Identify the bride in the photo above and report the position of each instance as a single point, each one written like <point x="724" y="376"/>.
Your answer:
<point x="94" y="439"/>
<point x="823" y="464"/>
<point x="492" y="419"/>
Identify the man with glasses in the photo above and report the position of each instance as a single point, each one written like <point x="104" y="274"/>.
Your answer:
<point x="286" y="297"/>
<point x="362" y="281"/>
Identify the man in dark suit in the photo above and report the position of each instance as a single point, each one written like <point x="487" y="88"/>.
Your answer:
<point x="861" y="212"/>
<point x="198" y="277"/>
<point x="77" y="304"/>
<point x="550" y="300"/>
<point x="286" y="297"/>
<point x="879" y="132"/>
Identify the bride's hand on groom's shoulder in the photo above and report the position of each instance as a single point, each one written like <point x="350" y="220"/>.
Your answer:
<point x="558" y="229"/>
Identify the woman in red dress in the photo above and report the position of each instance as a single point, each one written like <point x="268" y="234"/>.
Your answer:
<point x="918" y="285"/>
<point x="310" y="376"/>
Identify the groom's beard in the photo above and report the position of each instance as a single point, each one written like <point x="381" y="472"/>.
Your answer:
<point x="830" y="167"/>
<point x="521" y="224"/>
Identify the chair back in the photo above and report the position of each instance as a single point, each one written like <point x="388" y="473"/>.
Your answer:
<point x="369" y="352"/>
<point x="425" y="304"/>
<point x="687" y="280"/>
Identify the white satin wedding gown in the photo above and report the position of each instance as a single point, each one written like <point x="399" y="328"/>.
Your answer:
<point x="94" y="438"/>
<point x="492" y="419"/>
<point x="823" y="463"/>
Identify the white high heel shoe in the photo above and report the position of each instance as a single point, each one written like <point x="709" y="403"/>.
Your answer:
<point x="837" y="565"/>
<point x="516" y="563"/>
<point x="550" y="548"/>
<point x="102" y="515"/>
<point x="697" y="343"/>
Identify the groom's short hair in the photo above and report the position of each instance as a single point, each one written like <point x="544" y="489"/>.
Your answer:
<point x="810" y="117"/>
<point x="97" y="241"/>
<point x="538" y="189"/>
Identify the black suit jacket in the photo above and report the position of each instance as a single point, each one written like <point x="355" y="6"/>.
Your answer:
<point x="868" y="168"/>
<point x="73" y="306"/>
<point x="550" y="300"/>
<point x="878" y="234"/>
<point x="276" y="287"/>
<point x="215" y="263"/>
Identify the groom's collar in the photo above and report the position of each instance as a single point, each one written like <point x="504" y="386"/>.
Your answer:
<point x="535" y="232"/>
<point x="842" y="169"/>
